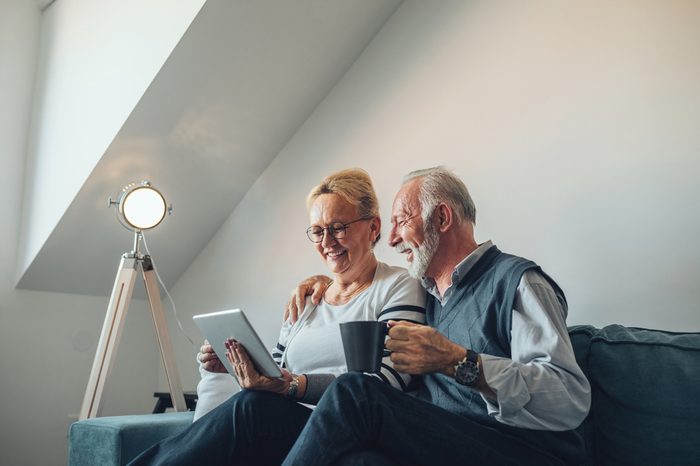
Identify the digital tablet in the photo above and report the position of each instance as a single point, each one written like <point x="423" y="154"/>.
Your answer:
<point x="217" y="327"/>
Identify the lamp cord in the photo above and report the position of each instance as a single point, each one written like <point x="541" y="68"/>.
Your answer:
<point x="167" y="293"/>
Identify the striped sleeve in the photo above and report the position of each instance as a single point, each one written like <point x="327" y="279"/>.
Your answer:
<point x="408" y="312"/>
<point x="406" y="301"/>
<point x="278" y="351"/>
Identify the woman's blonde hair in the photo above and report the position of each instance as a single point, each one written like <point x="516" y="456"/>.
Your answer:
<point x="354" y="186"/>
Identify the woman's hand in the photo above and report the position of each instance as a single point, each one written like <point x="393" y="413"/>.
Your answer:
<point x="209" y="360"/>
<point x="314" y="286"/>
<point x="248" y="377"/>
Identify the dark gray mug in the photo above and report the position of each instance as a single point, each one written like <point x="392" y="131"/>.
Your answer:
<point x="363" y="343"/>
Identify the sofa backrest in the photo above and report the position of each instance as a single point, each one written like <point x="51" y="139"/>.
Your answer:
<point x="645" y="389"/>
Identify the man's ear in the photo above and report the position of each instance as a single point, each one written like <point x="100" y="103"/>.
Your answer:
<point x="444" y="217"/>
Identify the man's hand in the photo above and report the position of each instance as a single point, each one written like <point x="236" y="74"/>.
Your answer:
<point x="210" y="361"/>
<point x="419" y="349"/>
<point x="314" y="286"/>
<point x="248" y="377"/>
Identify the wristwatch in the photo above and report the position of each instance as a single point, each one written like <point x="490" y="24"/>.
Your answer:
<point x="467" y="370"/>
<point x="293" y="387"/>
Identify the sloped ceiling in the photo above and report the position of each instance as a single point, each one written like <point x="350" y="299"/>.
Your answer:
<point x="242" y="80"/>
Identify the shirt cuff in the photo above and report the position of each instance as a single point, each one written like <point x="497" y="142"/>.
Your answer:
<point x="316" y="385"/>
<point x="503" y="377"/>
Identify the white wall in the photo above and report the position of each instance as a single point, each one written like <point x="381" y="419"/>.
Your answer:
<point x="575" y="125"/>
<point x="96" y="59"/>
<point x="47" y="340"/>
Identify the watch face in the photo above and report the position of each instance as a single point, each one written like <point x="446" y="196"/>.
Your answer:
<point x="467" y="372"/>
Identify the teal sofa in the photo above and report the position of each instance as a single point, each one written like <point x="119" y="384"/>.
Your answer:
<point x="116" y="440"/>
<point x="645" y="385"/>
<point x="645" y="406"/>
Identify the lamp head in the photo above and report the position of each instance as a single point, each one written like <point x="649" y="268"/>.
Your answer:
<point x="140" y="206"/>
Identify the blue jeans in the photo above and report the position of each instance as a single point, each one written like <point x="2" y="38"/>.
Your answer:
<point x="361" y="413"/>
<point x="255" y="428"/>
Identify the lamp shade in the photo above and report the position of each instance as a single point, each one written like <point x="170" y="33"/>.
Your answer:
<point x="141" y="206"/>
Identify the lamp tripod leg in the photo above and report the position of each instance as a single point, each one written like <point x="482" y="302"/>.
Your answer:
<point x="166" y="349"/>
<point x="110" y="336"/>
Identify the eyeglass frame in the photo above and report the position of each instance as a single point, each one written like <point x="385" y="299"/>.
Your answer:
<point x="331" y="230"/>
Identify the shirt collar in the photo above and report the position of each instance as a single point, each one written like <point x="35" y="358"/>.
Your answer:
<point x="461" y="269"/>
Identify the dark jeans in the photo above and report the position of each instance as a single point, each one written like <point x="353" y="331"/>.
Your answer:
<point x="250" y="428"/>
<point x="362" y="413"/>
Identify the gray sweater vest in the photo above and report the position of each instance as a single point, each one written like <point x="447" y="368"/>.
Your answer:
<point x="478" y="316"/>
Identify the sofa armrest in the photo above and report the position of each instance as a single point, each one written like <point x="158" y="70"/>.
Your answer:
<point x="114" y="441"/>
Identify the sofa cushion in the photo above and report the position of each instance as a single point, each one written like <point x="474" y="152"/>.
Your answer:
<point x="645" y="405"/>
<point x="581" y="336"/>
<point x="114" y="441"/>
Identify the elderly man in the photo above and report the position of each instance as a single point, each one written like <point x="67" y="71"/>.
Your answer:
<point x="500" y="382"/>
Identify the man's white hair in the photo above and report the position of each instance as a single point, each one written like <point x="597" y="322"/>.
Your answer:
<point x="441" y="185"/>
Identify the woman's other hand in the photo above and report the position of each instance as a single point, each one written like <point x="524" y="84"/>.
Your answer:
<point x="314" y="286"/>
<point x="209" y="360"/>
<point x="248" y="377"/>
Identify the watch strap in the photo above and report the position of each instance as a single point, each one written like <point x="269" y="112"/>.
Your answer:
<point x="293" y="387"/>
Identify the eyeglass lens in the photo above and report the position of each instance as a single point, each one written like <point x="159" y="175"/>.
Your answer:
<point x="337" y="231"/>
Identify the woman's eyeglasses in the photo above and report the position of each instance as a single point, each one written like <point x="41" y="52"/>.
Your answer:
<point x="336" y="230"/>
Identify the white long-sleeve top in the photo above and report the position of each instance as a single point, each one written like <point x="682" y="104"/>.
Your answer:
<point x="313" y="344"/>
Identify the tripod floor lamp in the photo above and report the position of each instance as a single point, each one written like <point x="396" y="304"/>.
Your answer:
<point x="139" y="207"/>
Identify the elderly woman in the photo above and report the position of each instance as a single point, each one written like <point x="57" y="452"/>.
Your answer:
<point x="260" y="424"/>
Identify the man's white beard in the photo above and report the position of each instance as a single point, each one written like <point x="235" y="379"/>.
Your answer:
<point x="423" y="254"/>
